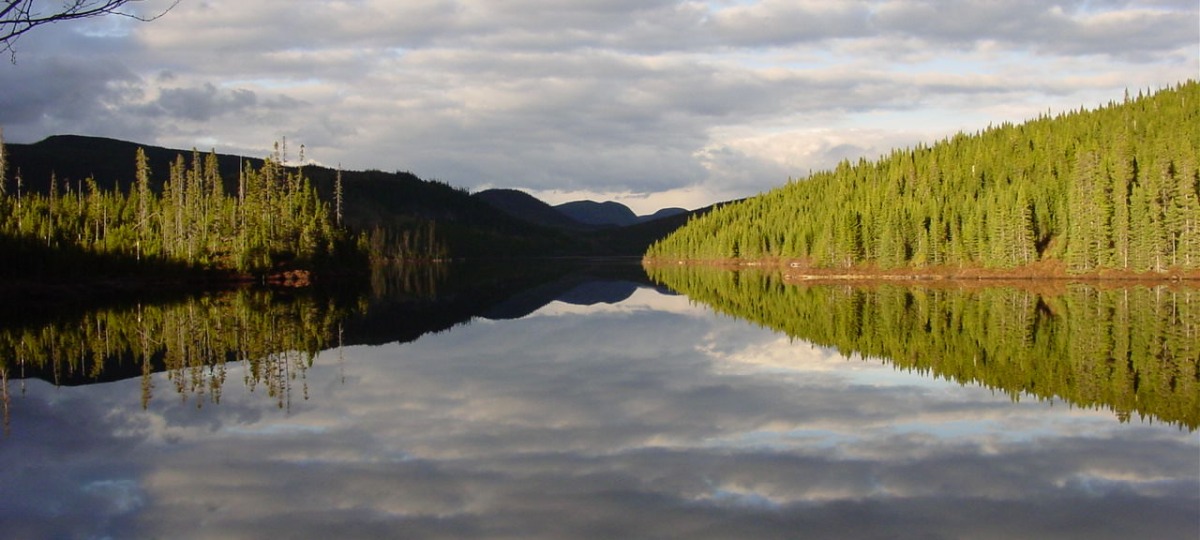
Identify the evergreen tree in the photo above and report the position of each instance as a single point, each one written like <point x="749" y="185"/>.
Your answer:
<point x="277" y="218"/>
<point x="1109" y="188"/>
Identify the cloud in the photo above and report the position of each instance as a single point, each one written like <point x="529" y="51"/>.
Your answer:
<point x="777" y="23"/>
<point x="66" y="92"/>
<point x="207" y="102"/>
<point x="657" y="102"/>
<point x="1119" y="30"/>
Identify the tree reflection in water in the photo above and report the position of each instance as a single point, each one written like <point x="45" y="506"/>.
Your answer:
<point x="1133" y="350"/>
<point x="273" y="335"/>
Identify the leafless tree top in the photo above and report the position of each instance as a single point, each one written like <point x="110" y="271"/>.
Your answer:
<point x="20" y="16"/>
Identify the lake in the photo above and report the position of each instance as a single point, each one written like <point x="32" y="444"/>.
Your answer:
<point x="591" y="401"/>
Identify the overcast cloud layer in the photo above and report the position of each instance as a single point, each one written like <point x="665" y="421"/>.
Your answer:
<point x="651" y="102"/>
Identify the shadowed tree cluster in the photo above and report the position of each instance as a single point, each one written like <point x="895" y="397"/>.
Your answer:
<point x="1114" y="188"/>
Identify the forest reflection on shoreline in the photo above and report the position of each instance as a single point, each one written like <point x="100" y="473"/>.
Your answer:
<point x="274" y="333"/>
<point x="1132" y="350"/>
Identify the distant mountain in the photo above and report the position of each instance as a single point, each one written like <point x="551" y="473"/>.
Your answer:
<point x="637" y="238"/>
<point x="599" y="213"/>
<point x="524" y="206"/>
<point x="663" y="213"/>
<point x="571" y="215"/>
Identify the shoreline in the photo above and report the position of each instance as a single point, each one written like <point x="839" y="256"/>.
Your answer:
<point x="63" y="291"/>
<point x="798" y="271"/>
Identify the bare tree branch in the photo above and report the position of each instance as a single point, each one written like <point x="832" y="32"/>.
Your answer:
<point x="18" y="17"/>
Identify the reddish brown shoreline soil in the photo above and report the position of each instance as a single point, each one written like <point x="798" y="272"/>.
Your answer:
<point x="1046" y="274"/>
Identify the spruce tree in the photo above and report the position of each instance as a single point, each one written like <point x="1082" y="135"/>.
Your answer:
<point x="1096" y="189"/>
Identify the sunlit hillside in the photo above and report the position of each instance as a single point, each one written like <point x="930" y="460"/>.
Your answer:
<point x="1114" y="188"/>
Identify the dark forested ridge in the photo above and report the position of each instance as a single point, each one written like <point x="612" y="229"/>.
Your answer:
<point x="397" y="214"/>
<point x="521" y="205"/>
<point x="1114" y="188"/>
<point x="1134" y="350"/>
<point x="599" y="213"/>
<point x="402" y="215"/>
<point x="576" y="215"/>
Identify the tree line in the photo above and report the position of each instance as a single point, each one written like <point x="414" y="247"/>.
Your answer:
<point x="274" y="219"/>
<point x="1135" y="350"/>
<point x="1113" y="188"/>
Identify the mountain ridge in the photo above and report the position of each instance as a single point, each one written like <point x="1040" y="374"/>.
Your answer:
<point x="598" y="213"/>
<point x="425" y="212"/>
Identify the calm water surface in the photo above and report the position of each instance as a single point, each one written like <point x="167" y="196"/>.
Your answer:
<point x="615" y="410"/>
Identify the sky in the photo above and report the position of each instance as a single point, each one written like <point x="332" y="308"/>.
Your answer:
<point x="652" y="103"/>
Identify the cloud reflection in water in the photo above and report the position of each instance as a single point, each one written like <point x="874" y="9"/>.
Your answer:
<point x="647" y="418"/>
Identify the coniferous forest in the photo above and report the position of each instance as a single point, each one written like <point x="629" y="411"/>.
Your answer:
<point x="185" y="222"/>
<point x="1113" y="188"/>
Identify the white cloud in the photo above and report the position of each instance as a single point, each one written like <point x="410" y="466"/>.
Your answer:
<point x="681" y="101"/>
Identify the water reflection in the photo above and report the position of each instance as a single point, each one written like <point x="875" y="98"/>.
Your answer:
<point x="279" y="333"/>
<point x="275" y="335"/>
<point x="645" y="417"/>
<point x="1134" y="350"/>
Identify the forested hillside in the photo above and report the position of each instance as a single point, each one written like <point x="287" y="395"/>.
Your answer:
<point x="189" y="220"/>
<point x="403" y="215"/>
<point x="1115" y="188"/>
<point x="400" y="215"/>
<point x="608" y="213"/>
<point x="521" y="205"/>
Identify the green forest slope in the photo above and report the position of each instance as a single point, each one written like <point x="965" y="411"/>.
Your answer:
<point x="1113" y="188"/>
